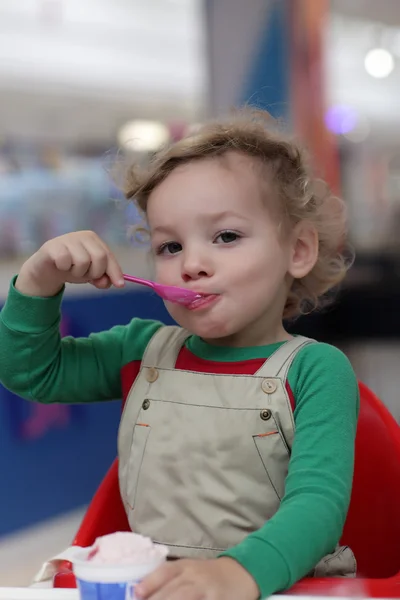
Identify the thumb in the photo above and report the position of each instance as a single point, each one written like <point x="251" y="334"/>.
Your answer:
<point x="156" y="580"/>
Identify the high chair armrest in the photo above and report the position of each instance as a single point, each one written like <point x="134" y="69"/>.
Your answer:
<point x="64" y="578"/>
<point x="349" y="587"/>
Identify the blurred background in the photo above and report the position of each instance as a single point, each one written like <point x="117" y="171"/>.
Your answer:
<point x="83" y="81"/>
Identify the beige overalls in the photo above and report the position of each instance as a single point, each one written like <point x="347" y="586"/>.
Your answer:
<point x="202" y="457"/>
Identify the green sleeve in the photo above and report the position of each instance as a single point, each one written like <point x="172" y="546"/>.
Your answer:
<point x="37" y="364"/>
<point x="311" y="516"/>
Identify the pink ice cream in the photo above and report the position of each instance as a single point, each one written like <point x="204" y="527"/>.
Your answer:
<point x="126" y="548"/>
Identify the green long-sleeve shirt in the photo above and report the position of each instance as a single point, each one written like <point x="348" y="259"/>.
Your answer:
<point x="38" y="365"/>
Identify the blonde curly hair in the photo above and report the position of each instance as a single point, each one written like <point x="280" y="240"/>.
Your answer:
<point x="300" y="196"/>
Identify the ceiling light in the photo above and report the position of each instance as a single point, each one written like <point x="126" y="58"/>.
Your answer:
<point x="340" y="119"/>
<point x="379" y="63"/>
<point x="143" y="136"/>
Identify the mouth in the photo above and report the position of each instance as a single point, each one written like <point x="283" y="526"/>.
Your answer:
<point x="205" y="301"/>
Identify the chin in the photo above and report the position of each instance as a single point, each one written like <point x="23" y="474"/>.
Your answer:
<point x="208" y="330"/>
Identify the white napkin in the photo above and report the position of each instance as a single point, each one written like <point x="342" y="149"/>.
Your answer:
<point x="51" y="566"/>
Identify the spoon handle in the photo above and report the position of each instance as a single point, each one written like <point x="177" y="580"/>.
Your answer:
<point x="137" y="280"/>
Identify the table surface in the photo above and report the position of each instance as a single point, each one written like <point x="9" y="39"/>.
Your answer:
<point x="36" y="593"/>
<point x="14" y="593"/>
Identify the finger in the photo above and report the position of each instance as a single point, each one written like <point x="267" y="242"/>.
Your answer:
<point x="102" y="252"/>
<point x="103" y="283"/>
<point x="178" y="590"/>
<point x="81" y="261"/>
<point x="98" y="259"/>
<point x="61" y="257"/>
<point x="114" y="271"/>
<point x="156" y="580"/>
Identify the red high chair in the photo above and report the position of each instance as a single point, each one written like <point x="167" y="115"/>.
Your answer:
<point x="372" y="527"/>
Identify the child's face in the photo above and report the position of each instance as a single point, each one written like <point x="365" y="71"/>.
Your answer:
<point x="212" y="233"/>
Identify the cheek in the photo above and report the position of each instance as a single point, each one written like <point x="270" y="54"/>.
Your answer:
<point x="157" y="271"/>
<point x="173" y="309"/>
<point x="250" y="268"/>
<point x="164" y="269"/>
<point x="258" y="276"/>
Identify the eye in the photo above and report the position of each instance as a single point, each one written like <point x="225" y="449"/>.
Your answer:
<point x="169" y="248"/>
<point x="227" y="237"/>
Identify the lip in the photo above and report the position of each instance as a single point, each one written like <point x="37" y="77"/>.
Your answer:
<point x="204" y="302"/>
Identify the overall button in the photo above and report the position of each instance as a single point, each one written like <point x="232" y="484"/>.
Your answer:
<point x="265" y="414"/>
<point x="268" y="386"/>
<point x="146" y="404"/>
<point x="151" y="374"/>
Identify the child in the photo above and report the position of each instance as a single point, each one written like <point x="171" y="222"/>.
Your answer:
<point x="237" y="440"/>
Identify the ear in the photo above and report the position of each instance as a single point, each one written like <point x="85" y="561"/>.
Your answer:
<point x="304" y="250"/>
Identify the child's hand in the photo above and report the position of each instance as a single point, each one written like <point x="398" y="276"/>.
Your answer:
<point x="218" y="579"/>
<point x="78" y="257"/>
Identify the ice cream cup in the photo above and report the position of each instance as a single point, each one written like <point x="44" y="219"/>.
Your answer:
<point x="108" y="581"/>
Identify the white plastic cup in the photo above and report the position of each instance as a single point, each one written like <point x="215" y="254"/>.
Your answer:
<point x="110" y="582"/>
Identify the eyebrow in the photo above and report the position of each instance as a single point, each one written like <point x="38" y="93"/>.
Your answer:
<point x="162" y="229"/>
<point x="215" y="217"/>
<point x="227" y="213"/>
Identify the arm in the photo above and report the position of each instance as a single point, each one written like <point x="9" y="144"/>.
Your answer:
<point x="34" y="362"/>
<point x="312" y="513"/>
<point x="37" y="364"/>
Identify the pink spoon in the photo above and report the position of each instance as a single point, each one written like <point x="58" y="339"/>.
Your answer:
<point x="167" y="292"/>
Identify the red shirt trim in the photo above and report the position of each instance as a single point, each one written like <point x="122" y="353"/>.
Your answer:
<point x="187" y="361"/>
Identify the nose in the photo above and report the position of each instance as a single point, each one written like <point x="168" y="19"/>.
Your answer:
<point x="195" y="265"/>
